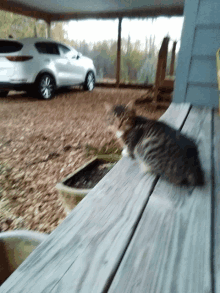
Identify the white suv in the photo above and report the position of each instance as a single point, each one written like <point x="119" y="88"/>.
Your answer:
<point x="40" y="66"/>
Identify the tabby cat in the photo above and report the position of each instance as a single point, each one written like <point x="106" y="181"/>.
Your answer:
<point x="158" y="148"/>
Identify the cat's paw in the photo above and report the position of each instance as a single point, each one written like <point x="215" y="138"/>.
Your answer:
<point x="119" y="134"/>
<point x="145" y="168"/>
<point x="132" y="156"/>
<point x="125" y="153"/>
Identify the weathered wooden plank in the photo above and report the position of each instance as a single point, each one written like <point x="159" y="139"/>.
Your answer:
<point x="173" y="57"/>
<point x="176" y="114"/>
<point x="170" y="249"/>
<point x="161" y="66"/>
<point x="203" y="71"/>
<point x="92" y="238"/>
<point x="216" y="204"/>
<point x="202" y="95"/>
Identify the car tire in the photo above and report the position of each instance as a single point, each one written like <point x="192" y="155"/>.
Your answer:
<point x="45" y="87"/>
<point x="89" y="82"/>
<point x="3" y="93"/>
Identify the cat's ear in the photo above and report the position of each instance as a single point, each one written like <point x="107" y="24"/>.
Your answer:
<point x="130" y="105"/>
<point x="108" y="106"/>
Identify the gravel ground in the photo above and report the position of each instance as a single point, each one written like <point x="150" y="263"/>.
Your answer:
<point x="41" y="142"/>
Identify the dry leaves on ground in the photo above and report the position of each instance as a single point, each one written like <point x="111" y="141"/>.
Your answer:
<point x="41" y="142"/>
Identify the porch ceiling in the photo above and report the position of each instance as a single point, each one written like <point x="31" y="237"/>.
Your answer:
<point x="54" y="10"/>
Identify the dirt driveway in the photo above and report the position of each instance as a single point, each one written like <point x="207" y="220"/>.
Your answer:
<point x="41" y="142"/>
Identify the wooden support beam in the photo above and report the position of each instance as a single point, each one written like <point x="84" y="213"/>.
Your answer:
<point x="161" y="66"/>
<point x="48" y="30"/>
<point x="35" y="29"/>
<point x="173" y="59"/>
<point x="118" y="67"/>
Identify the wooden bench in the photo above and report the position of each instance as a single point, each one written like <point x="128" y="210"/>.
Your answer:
<point x="137" y="233"/>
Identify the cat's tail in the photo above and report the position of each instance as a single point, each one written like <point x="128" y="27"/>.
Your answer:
<point x="200" y="176"/>
<point x="196" y="178"/>
<point x="196" y="175"/>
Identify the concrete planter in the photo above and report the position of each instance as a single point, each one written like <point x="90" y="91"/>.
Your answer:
<point x="15" y="246"/>
<point x="71" y="196"/>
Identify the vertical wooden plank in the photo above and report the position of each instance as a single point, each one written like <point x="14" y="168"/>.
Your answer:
<point x="48" y="30"/>
<point x="161" y="66"/>
<point x="172" y="62"/>
<point x="35" y="29"/>
<point x="163" y="57"/>
<point x="184" y="58"/>
<point x="170" y="250"/>
<point x="216" y="206"/>
<point x="118" y="69"/>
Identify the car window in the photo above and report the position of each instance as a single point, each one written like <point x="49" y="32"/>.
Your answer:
<point x="47" y="48"/>
<point x="70" y="53"/>
<point x="74" y="52"/>
<point x="10" y="46"/>
<point x="64" y="49"/>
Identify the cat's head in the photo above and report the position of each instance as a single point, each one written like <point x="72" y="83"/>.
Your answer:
<point x="120" y="118"/>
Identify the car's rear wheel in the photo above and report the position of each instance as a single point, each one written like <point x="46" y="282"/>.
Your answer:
<point x="45" y="86"/>
<point x="89" y="83"/>
<point x="3" y="93"/>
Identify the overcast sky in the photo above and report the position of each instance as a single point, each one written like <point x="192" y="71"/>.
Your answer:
<point x="98" y="30"/>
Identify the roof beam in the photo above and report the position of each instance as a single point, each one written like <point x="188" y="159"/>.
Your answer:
<point x="118" y="67"/>
<point x="134" y="13"/>
<point x="25" y="10"/>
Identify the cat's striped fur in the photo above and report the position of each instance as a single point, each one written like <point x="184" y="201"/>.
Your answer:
<point x="159" y="148"/>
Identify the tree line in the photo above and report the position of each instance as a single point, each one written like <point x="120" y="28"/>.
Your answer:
<point x="138" y="64"/>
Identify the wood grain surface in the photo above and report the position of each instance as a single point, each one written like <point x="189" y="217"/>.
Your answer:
<point x="90" y="277"/>
<point x="170" y="250"/>
<point x="89" y="243"/>
<point x="176" y="114"/>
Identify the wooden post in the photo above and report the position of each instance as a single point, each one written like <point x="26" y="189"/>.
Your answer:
<point x="173" y="59"/>
<point x="35" y="29"/>
<point x="161" y="66"/>
<point x="48" y="29"/>
<point x="118" y="67"/>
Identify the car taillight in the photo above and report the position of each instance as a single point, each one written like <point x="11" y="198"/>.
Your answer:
<point x="19" y="58"/>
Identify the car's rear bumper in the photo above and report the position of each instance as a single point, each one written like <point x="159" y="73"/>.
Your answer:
<point x="15" y="86"/>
